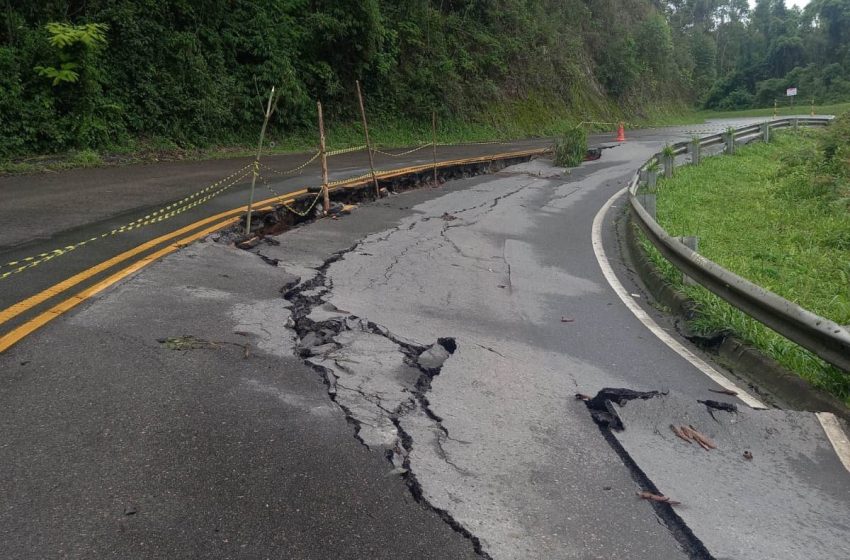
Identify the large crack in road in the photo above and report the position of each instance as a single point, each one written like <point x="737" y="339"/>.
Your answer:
<point x="453" y="328"/>
<point x="371" y="317"/>
<point x="374" y="376"/>
<point x="454" y="341"/>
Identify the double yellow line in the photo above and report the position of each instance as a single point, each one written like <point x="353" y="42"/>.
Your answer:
<point x="218" y="221"/>
<point x="213" y="223"/>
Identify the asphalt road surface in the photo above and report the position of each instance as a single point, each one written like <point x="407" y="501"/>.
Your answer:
<point x="45" y="212"/>
<point x="400" y="385"/>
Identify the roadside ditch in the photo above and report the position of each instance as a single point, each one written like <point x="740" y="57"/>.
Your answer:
<point x="773" y="382"/>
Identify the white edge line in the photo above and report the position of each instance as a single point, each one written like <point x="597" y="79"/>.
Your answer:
<point x="648" y="322"/>
<point x="832" y="428"/>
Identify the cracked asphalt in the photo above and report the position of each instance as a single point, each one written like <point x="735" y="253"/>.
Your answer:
<point x="401" y="385"/>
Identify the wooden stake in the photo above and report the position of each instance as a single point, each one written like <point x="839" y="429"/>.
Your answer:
<point x="434" y="142"/>
<point x="368" y="142"/>
<point x="266" y="118"/>
<point x="326" y="201"/>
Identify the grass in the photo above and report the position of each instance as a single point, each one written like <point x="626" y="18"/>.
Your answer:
<point x="527" y="118"/>
<point x="699" y="117"/>
<point x="571" y="147"/>
<point x="783" y="111"/>
<point x="763" y="215"/>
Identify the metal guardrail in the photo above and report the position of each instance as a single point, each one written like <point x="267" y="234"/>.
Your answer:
<point x="821" y="336"/>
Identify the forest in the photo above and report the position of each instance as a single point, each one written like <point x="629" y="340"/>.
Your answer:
<point x="102" y="74"/>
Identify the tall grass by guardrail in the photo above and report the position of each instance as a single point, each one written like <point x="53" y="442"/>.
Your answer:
<point x="777" y="215"/>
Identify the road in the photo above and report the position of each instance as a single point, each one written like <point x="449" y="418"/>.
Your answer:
<point x="48" y="213"/>
<point x="412" y="395"/>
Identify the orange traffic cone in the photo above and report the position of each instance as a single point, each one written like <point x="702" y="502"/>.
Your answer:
<point x="621" y="133"/>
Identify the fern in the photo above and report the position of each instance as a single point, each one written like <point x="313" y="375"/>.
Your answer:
<point x="73" y="43"/>
<point x="65" y="73"/>
<point x="65" y="35"/>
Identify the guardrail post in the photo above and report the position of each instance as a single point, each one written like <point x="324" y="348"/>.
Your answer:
<point x="669" y="161"/>
<point x="796" y="124"/>
<point x="651" y="179"/>
<point x="649" y="201"/>
<point x="729" y="138"/>
<point x="694" y="149"/>
<point x="765" y="132"/>
<point x="692" y="243"/>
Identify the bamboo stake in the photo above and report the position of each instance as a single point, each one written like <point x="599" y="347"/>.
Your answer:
<point x="326" y="201"/>
<point x="434" y="142"/>
<point x="257" y="162"/>
<point x="368" y="142"/>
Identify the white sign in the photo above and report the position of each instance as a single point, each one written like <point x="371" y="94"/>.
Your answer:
<point x="791" y="92"/>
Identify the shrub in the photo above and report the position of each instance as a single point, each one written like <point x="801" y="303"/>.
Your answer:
<point x="571" y="148"/>
<point x="834" y="145"/>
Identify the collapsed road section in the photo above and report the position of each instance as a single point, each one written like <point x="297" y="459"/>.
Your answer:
<point x="186" y="412"/>
<point x="374" y="376"/>
<point x="739" y="482"/>
<point x="488" y="445"/>
<point x="496" y="443"/>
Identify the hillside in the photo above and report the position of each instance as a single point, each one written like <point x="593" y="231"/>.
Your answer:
<point x="193" y="72"/>
<point x="106" y="74"/>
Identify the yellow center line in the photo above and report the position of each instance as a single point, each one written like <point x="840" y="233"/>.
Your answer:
<point x="222" y="220"/>
<point x="39" y="321"/>
<point x="39" y="298"/>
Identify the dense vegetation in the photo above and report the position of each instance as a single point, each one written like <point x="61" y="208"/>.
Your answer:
<point x="750" y="57"/>
<point x="103" y="74"/>
<point x="788" y="230"/>
<point x="192" y="71"/>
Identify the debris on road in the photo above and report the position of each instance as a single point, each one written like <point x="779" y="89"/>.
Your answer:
<point x="716" y="405"/>
<point x="703" y="440"/>
<point x="448" y="217"/>
<point x="729" y="392"/>
<point x="657" y="498"/>
<point x="679" y="433"/>
<point x="567" y="320"/>
<point x="186" y="342"/>
<point x="602" y="405"/>
<point x="691" y="434"/>
<point x="249" y="243"/>
<point x="434" y="357"/>
<point x="189" y="342"/>
<point x="748" y="455"/>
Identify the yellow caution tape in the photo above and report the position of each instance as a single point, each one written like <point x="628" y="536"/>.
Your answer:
<point x="294" y="169"/>
<point x="408" y="152"/>
<point x="155" y="217"/>
<point x="345" y="151"/>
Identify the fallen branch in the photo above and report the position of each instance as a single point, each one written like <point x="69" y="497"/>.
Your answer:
<point x="657" y="498"/>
